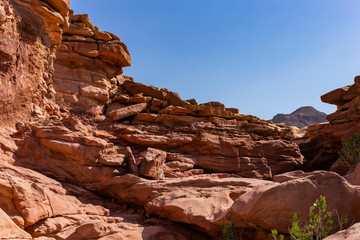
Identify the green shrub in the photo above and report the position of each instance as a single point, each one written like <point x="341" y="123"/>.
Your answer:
<point x="230" y="232"/>
<point x="318" y="226"/>
<point x="342" y="220"/>
<point x="274" y="234"/>
<point x="350" y="151"/>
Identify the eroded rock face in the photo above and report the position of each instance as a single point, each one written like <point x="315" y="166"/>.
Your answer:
<point x="88" y="66"/>
<point x="97" y="126"/>
<point x="272" y="206"/>
<point x="9" y="229"/>
<point x="198" y="138"/>
<point x="200" y="201"/>
<point x="29" y="33"/>
<point x="190" y="148"/>
<point x="152" y="163"/>
<point x="28" y="197"/>
<point x="352" y="233"/>
<point x="323" y="141"/>
<point x="46" y="208"/>
<point x="110" y="125"/>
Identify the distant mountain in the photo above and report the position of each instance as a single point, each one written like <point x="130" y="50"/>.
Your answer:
<point x="302" y="117"/>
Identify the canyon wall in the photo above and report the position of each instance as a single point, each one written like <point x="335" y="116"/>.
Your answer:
<point x="88" y="153"/>
<point x="29" y="33"/>
<point x="323" y="141"/>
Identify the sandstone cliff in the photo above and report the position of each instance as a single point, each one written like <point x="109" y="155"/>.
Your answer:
<point x="88" y="153"/>
<point x="29" y="33"/>
<point x="323" y="141"/>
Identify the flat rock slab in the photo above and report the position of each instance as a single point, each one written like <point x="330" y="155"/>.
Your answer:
<point x="128" y="111"/>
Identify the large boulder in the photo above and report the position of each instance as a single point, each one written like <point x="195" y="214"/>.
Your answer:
<point x="272" y="206"/>
<point x="152" y="163"/>
<point x="199" y="201"/>
<point x="355" y="176"/>
<point x="28" y="197"/>
<point x="128" y="111"/>
<point x="352" y="233"/>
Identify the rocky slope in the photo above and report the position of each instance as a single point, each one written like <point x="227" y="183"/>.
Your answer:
<point x="88" y="153"/>
<point x="302" y="117"/>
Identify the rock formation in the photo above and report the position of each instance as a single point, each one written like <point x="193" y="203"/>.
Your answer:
<point x="88" y="66"/>
<point x="196" y="138"/>
<point x="29" y="31"/>
<point x="302" y="117"/>
<point x="352" y="233"/>
<point x="323" y="141"/>
<point x="88" y="153"/>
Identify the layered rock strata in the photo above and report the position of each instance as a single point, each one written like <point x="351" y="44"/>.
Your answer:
<point x="196" y="138"/>
<point x="106" y="122"/>
<point x="29" y="31"/>
<point x="116" y="159"/>
<point x="88" y="66"/>
<point x="46" y="208"/>
<point x="323" y="141"/>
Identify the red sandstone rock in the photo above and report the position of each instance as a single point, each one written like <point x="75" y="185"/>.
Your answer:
<point x="132" y="166"/>
<point x="124" y="112"/>
<point x="134" y="88"/>
<point x="8" y="229"/>
<point x="29" y="32"/>
<point x="211" y="109"/>
<point x="355" y="178"/>
<point x="324" y="140"/>
<point x="199" y="201"/>
<point x="335" y="96"/>
<point x="272" y="206"/>
<point x="27" y="197"/>
<point x="174" y="98"/>
<point x="174" y="110"/>
<point x="85" y="227"/>
<point x="152" y="163"/>
<point x="97" y="62"/>
<point x="138" y="98"/>
<point x="79" y="145"/>
<point x="94" y="92"/>
<point x="352" y="233"/>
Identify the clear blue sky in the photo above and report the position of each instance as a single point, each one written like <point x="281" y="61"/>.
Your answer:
<point x="260" y="56"/>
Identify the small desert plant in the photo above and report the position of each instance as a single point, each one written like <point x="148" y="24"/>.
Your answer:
<point x="274" y="234"/>
<point x="317" y="228"/>
<point x="350" y="151"/>
<point x="230" y="232"/>
<point x="342" y="220"/>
